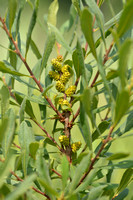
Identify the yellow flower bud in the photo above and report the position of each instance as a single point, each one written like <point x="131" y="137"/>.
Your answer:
<point x="70" y="91"/>
<point x="60" y="87"/>
<point x="75" y="146"/>
<point x="56" y="64"/>
<point x="64" y="140"/>
<point x="54" y="75"/>
<point x="65" y="68"/>
<point x="65" y="77"/>
<point x="60" y="58"/>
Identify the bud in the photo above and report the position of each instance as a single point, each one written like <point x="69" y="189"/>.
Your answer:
<point x="70" y="91"/>
<point x="64" y="140"/>
<point x="60" y="87"/>
<point x="60" y="58"/>
<point x="65" y="68"/>
<point x="54" y="75"/>
<point x="65" y="77"/>
<point x="56" y="64"/>
<point x="75" y="146"/>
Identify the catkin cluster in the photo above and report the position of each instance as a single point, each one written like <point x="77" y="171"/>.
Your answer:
<point x="61" y="74"/>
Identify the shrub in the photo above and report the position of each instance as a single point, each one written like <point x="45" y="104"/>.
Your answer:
<point x="53" y="163"/>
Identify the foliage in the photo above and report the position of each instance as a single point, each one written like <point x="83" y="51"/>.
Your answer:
<point x="69" y="97"/>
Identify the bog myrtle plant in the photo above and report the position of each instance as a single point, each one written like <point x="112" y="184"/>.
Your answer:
<point x="64" y="91"/>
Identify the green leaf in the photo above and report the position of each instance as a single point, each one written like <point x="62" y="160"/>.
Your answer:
<point x="5" y="69"/>
<point x="87" y="101"/>
<point x="12" y="7"/>
<point x="84" y="127"/>
<point x="3" y="128"/>
<point x="22" y="110"/>
<point x="13" y="57"/>
<point x="28" y="107"/>
<point x="60" y="38"/>
<point x="125" y="21"/>
<point x="47" y="50"/>
<point x="103" y="76"/>
<point x="5" y="168"/>
<point x="31" y="26"/>
<point x="96" y="192"/>
<point x="42" y="168"/>
<point x="4" y="100"/>
<point x="10" y="130"/>
<point x="22" y="187"/>
<point x="78" y="60"/>
<point x="52" y="12"/>
<point x="125" y="180"/>
<point x="125" y="53"/>
<point x="25" y="136"/>
<point x="102" y="127"/>
<point x="87" y="28"/>
<point x="34" y="146"/>
<point x="99" y="16"/>
<point x="65" y="171"/>
<point x="80" y="170"/>
<point x="35" y="49"/>
<point x="121" y="106"/>
<point x="117" y="156"/>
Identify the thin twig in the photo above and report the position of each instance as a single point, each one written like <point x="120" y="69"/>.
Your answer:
<point x="97" y="155"/>
<point x="53" y="170"/>
<point x="75" y="116"/>
<point x="48" y="135"/>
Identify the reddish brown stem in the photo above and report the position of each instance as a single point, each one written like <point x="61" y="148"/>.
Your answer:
<point x="53" y="170"/>
<point x="48" y="135"/>
<point x="75" y="116"/>
<point x="35" y="189"/>
<point x="97" y="155"/>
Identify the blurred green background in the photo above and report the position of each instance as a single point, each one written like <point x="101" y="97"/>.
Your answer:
<point x="39" y="35"/>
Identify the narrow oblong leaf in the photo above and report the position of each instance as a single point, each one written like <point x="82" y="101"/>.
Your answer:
<point x="47" y="50"/>
<point x="122" y="105"/>
<point x="10" y="130"/>
<point x="99" y="16"/>
<point x="35" y="49"/>
<point x="52" y="12"/>
<point x="117" y="156"/>
<point x="65" y="171"/>
<point x="12" y="7"/>
<point x="78" y="60"/>
<point x="22" y="110"/>
<point x="5" y="69"/>
<point x="4" y="100"/>
<point x="31" y="26"/>
<point x="86" y="25"/>
<point x="125" y="53"/>
<point x="125" y="180"/>
<point x="126" y="20"/>
<point x="22" y="187"/>
<point x="25" y="138"/>
<point x="84" y="127"/>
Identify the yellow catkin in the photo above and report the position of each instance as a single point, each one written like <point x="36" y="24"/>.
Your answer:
<point x="59" y="86"/>
<point x="75" y="146"/>
<point x="56" y="64"/>
<point x="64" y="140"/>
<point x="70" y="91"/>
